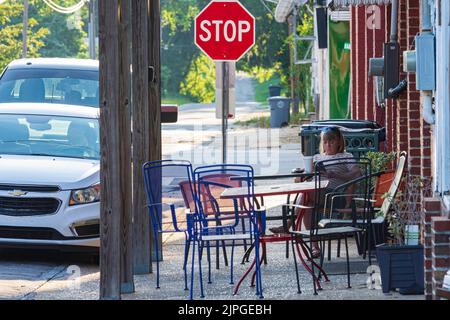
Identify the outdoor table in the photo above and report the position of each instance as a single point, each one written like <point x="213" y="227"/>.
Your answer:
<point x="266" y="191"/>
<point x="273" y="190"/>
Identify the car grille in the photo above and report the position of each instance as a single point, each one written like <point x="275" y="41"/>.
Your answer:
<point x="22" y="207"/>
<point x="30" y="233"/>
<point x="88" y="230"/>
<point x="28" y="188"/>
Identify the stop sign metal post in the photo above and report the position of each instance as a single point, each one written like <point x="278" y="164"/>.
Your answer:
<point x="225" y="31"/>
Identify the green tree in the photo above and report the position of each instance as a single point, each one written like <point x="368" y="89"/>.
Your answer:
<point x="303" y="72"/>
<point x="200" y="80"/>
<point x="11" y="25"/>
<point x="66" y="34"/>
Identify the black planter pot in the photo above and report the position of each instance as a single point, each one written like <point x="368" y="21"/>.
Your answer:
<point x="401" y="267"/>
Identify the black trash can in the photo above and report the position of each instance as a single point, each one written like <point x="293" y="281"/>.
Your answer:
<point x="360" y="136"/>
<point x="274" y="90"/>
<point x="279" y="111"/>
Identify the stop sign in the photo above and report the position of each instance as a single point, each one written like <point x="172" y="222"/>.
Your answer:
<point x="224" y="30"/>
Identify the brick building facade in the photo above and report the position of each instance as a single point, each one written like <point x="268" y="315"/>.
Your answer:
<point x="402" y="117"/>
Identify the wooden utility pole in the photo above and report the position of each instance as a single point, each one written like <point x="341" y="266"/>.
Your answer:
<point x="141" y="140"/>
<point x="127" y="282"/>
<point x="25" y="29"/>
<point x="115" y="139"/>
<point x="154" y="97"/>
<point x="111" y="205"/>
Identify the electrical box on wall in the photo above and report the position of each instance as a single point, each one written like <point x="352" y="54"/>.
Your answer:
<point x="425" y="62"/>
<point x="391" y="67"/>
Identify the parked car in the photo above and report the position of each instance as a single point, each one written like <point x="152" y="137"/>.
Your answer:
<point x="49" y="175"/>
<point x="51" y="80"/>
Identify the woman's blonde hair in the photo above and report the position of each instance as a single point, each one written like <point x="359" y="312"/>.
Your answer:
<point x="332" y="133"/>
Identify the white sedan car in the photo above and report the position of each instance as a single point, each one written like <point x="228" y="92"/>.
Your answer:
<point x="49" y="175"/>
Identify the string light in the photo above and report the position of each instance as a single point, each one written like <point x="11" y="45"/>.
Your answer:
<point x="66" y="10"/>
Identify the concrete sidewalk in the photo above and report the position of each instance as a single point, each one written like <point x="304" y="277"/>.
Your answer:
<point x="279" y="281"/>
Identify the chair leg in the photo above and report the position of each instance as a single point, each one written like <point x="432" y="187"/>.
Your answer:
<point x="247" y="254"/>
<point x="187" y="244"/>
<point x="287" y="249"/>
<point x="338" y="254"/>
<point x="305" y="249"/>
<point x="232" y="258"/>
<point x="225" y="258"/>
<point x="236" y="288"/>
<point x="303" y="245"/>
<point x="329" y="249"/>
<point x="299" y="291"/>
<point x="348" y="262"/>
<point x="208" y="252"/>
<point x="259" y="290"/>
<point x="370" y="245"/>
<point x="312" y="271"/>
<point x="322" y="253"/>
<point x="264" y="250"/>
<point x="200" y="249"/>
<point x="191" y="289"/>
<point x="252" y="283"/>
<point x="155" y="238"/>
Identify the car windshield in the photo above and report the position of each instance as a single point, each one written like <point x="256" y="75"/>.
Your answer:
<point x="46" y="135"/>
<point x="77" y="87"/>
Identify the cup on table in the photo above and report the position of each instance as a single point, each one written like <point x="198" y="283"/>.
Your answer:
<point x="308" y="163"/>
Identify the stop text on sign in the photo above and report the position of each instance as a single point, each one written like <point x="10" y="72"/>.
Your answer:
<point x="229" y="31"/>
<point x="224" y="30"/>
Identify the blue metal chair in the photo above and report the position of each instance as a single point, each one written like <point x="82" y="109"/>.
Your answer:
<point x="164" y="195"/>
<point x="214" y="220"/>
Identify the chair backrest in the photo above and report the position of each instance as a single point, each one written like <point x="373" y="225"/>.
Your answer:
<point x="392" y="192"/>
<point x="335" y="172"/>
<point x="211" y="181"/>
<point x="168" y="182"/>
<point x="382" y="185"/>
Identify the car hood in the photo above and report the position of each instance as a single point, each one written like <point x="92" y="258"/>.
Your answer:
<point x="67" y="173"/>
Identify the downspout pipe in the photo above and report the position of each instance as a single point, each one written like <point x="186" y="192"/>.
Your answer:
<point x="394" y="21"/>
<point x="427" y="95"/>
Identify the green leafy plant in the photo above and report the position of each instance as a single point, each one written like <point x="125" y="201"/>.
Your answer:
<point x="381" y="161"/>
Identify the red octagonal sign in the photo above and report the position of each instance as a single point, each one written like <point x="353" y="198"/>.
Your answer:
<point x="224" y="30"/>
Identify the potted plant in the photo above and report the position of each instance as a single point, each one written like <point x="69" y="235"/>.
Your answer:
<point x="401" y="259"/>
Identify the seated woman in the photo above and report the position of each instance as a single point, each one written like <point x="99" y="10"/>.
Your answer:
<point x="332" y="146"/>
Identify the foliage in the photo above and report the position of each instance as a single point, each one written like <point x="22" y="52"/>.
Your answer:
<point x="50" y="34"/>
<point x="200" y="80"/>
<point x="407" y="208"/>
<point x="381" y="161"/>
<point x="259" y="122"/>
<point x="11" y="25"/>
<point x="262" y="89"/>
<point x="268" y="57"/>
<point x="303" y="72"/>
<point x="66" y="36"/>
<point x="178" y="50"/>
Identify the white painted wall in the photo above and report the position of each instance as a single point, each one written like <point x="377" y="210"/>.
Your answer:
<point x="441" y="130"/>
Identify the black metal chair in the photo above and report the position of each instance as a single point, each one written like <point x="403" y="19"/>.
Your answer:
<point x="380" y="204"/>
<point x="321" y="201"/>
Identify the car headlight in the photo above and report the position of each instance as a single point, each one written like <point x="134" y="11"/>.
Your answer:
<point x="87" y="195"/>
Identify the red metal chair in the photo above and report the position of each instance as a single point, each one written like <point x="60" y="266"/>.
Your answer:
<point x="285" y="237"/>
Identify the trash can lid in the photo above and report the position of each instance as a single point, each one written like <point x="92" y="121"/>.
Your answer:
<point x="349" y="123"/>
<point x="278" y="98"/>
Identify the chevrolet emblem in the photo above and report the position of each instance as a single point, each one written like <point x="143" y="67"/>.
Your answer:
<point x="17" y="193"/>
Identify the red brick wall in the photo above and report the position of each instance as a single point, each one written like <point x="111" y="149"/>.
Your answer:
<point x="402" y="118"/>
<point x="405" y="128"/>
